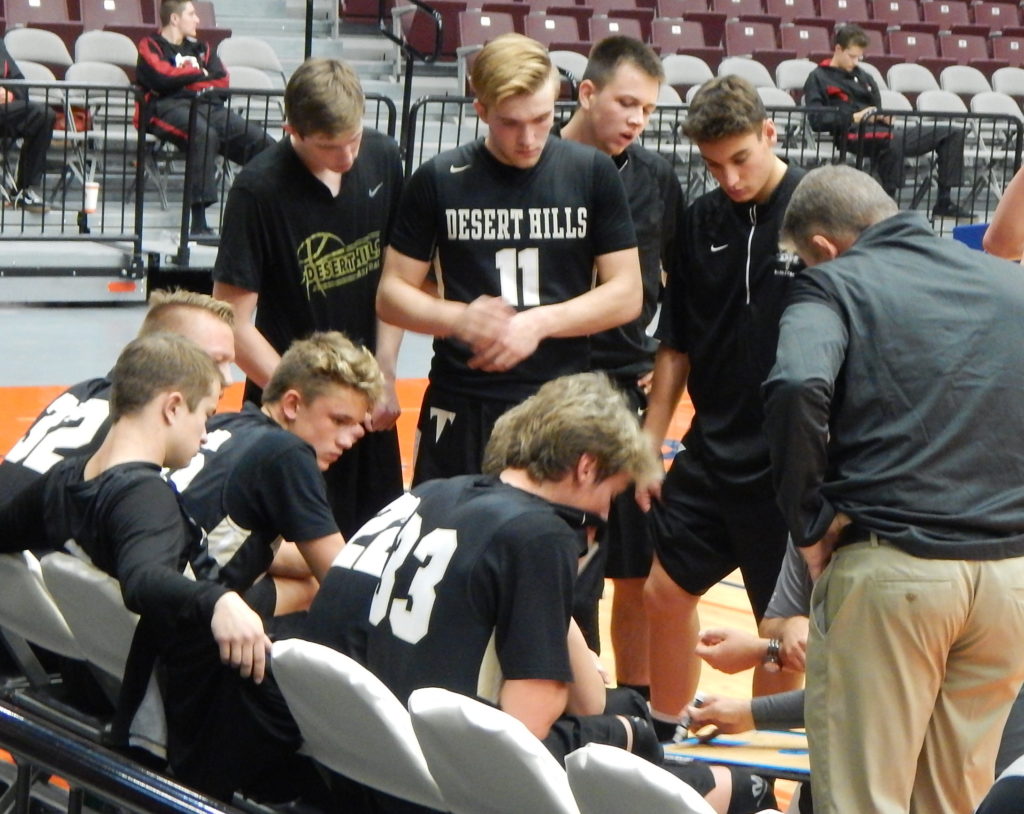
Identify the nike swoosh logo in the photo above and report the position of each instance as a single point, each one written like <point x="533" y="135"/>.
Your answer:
<point x="454" y="169"/>
<point x="715" y="248"/>
<point x="376" y="189"/>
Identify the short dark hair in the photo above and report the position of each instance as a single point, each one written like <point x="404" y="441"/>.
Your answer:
<point x="169" y="7"/>
<point x="606" y="56"/>
<point x="158" y="363"/>
<point x="723" y="107"/>
<point x="850" y="34"/>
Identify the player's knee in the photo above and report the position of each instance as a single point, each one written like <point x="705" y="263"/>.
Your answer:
<point x="663" y="596"/>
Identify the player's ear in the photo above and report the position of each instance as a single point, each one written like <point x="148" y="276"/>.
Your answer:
<point x="586" y="469"/>
<point x="586" y="91"/>
<point x="173" y="402"/>
<point x="769" y="132"/>
<point x="290" y="403"/>
<point x="481" y="110"/>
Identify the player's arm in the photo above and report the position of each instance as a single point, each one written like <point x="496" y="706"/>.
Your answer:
<point x="253" y="353"/>
<point x="387" y="411"/>
<point x="536" y="702"/>
<point x="671" y="370"/>
<point x="587" y="692"/>
<point x="404" y="301"/>
<point x="1005" y="234"/>
<point x="616" y="299"/>
<point x="289" y="563"/>
<point x="320" y="553"/>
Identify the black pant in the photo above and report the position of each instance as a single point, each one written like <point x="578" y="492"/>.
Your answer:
<point x="888" y="154"/>
<point x="33" y="123"/>
<point x="218" y="131"/>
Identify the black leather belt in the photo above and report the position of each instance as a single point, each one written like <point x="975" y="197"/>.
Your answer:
<point x="853" y="533"/>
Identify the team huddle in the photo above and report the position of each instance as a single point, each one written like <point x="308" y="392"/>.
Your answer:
<point x="857" y="419"/>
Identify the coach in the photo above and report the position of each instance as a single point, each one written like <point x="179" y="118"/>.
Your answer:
<point x="896" y="426"/>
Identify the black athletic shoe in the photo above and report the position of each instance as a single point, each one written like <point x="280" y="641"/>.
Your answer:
<point x="204" y="236"/>
<point x="948" y="209"/>
<point x="31" y="201"/>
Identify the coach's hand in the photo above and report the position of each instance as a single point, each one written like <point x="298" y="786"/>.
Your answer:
<point x="238" y="631"/>
<point x="730" y="715"/>
<point x="386" y="412"/>
<point x="730" y="650"/>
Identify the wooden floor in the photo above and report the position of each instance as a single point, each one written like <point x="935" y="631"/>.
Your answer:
<point x="725" y="605"/>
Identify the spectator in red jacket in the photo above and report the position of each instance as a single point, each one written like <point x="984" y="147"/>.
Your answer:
<point x="174" y="67"/>
<point x="32" y="122"/>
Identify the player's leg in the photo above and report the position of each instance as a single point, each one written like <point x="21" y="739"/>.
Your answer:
<point x="692" y="553"/>
<point x="759" y="537"/>
<point x="876" y="658"/>
<point x="982" y="678"/>
<point x="452" y="433"/>
<point x="240" y="139"/>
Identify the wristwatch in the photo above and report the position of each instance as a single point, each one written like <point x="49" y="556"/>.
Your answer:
<point x="772" y="662"/>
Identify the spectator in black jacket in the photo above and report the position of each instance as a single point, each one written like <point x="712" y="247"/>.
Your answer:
<point x="841" y="84"/>
<point x="33" y="123"/>
<point x="174" y="67"/>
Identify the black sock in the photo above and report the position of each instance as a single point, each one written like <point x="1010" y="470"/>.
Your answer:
<point x="199" y="217"/>
<point x="750" y="792"/>
<point x="665" y="730"/>
<point x="643" y="689"/>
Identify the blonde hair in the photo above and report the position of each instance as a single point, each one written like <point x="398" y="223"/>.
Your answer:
<point x="324" y="96"/>
<point x="158" y="363"/>
<point x="164" y="312"/>
<point x="327" y="358"/>
<point x="511" y="65"/>
<point x="569" y="417"/>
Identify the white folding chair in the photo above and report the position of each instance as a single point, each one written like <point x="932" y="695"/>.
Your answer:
<point x="27" y="609"/>
<point x="252" y="52"/>
<point x="351" y="722"/>
<point x="90" y="600"/>
<point x="608" y="780"/>
<point x="484" y="760"/>
<point x="750" y="69"/>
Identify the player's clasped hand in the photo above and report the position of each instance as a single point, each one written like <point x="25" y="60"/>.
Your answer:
<point x="238" y="631"/>
<point x="518" y="341"/>
<point x="482" y="322"/>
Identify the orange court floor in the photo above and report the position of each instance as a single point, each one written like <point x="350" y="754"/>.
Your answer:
<point x="725" y="605"/>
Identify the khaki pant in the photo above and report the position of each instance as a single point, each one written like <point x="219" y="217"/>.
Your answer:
<point x="912" y="666"/>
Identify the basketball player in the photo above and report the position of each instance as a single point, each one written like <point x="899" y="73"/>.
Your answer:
<point x="513" y="226"/>
<point x="304" y="231"/>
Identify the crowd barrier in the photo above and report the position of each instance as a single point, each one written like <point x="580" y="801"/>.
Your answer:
<point x="105" y="183"/>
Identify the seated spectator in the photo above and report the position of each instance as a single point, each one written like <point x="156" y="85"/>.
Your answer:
<point x="32" y="122"/>
<point x="466" y="583"/>
<point x="840" y="83"/>
<point x="174" y="67"/>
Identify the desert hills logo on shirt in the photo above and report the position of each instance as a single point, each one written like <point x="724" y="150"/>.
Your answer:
<point x="327" y="262"/>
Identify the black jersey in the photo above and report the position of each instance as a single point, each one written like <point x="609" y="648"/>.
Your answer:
<point x="527" y="235"/>
<point x="725" y="295"/>
<point x="457" y="584"/>
<point x="252" y="484"/>
<point x="129" y="522"/>
<point x="655" y="200"/>
<point x="74" y="423"/>
<point x="314" y="258"/>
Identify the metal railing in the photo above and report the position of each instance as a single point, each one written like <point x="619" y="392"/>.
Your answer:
<point x="41" y="750"/>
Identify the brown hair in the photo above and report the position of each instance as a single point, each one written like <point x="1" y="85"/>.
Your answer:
<point x="723" y="107"/>
<point x="169" y="7"/>
<point x="324" y="96"/>
<point x="611" y="52"/>
<point x="159" y="363"/>
<point x="568" y="417"/>
<point x="850" y="34"/>
<point x="327" y="358"/>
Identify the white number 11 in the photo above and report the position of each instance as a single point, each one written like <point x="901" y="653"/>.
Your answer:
<point x="519" y="273"/>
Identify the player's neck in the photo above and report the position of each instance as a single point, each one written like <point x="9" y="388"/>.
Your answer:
<point x="130" y="439"/>
<point x="276" y="414"/>
<point x="553" y="491"/>
<point x="577" y="129"/>
<point x="778" y="173"/>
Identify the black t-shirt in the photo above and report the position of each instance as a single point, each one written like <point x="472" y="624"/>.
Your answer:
<point x="457" y="584"/>
<point x="655" y="200"/>
<point x="314" y="258"/>
<point x="530" y="236"/>
<point x="74" y="423"/>
<point x="130" y="523"/>
<point x="725" y="295"/>
<point x="252" y="484"/>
